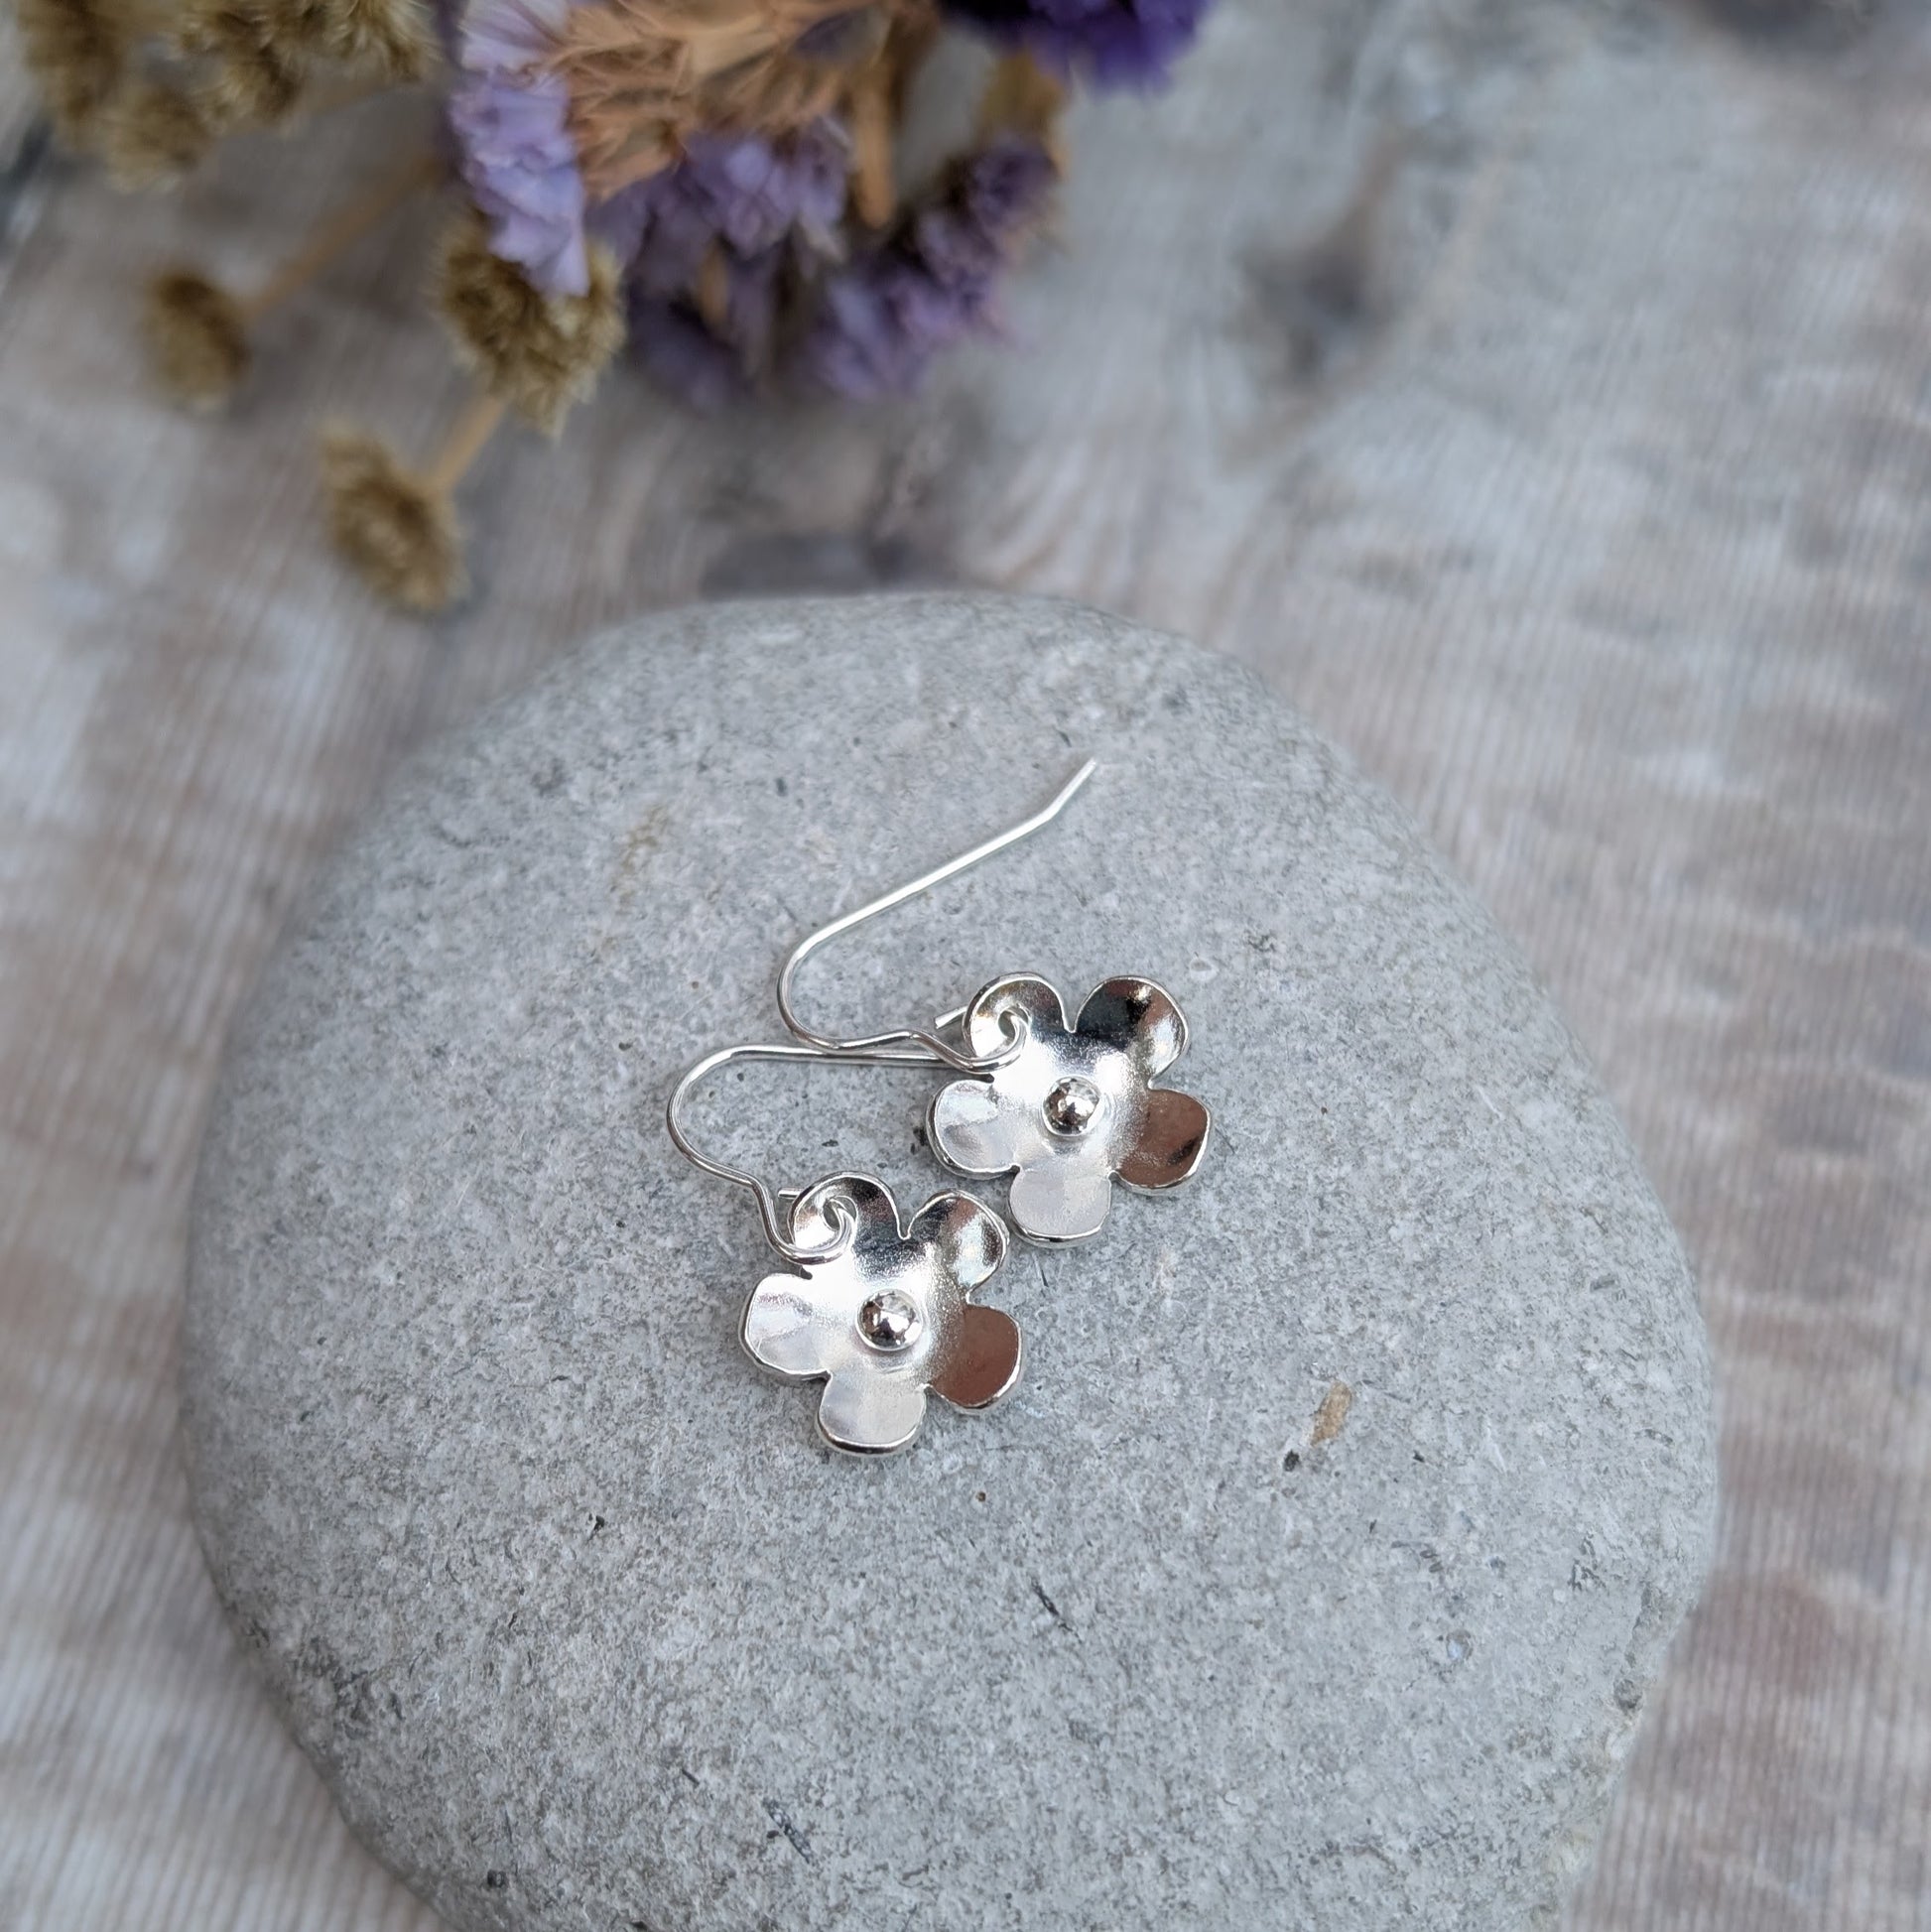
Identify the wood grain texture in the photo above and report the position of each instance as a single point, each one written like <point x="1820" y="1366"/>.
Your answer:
<point x="1539" y="397"/>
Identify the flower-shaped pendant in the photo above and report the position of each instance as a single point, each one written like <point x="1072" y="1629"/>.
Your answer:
<point x="885" y="1315"/>
<point x="1075" y="1106"/>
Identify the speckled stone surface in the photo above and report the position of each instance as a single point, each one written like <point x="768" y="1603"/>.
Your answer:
<point x="1315" y="1574"/>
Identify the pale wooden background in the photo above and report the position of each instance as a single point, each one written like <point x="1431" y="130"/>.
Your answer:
<point x="1581" y="485"/>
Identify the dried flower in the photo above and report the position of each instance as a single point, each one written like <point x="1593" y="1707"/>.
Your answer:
<point x="151" y="134"/>
<point x="510" y="121"/>
<point x="257" y="62"/>
<point x="520" y="164"/>
<point x="198" y="334"/>
<point x="646" y="74"/>
<point x="883" y="319"/>
<point x="394" y="37"/>
<point x="399" y="530"/>
<point x="679" y="351"/>
<point x="197" y="337"/>
<point x="507" y="37"/>
<point x="743" y="193"/>
<point x="712" y="245"/>
<point x="720" y="180"/>
<point x="539" y="352"/>
<point x="77" y="50"/>
<point x="1119" y="43"/>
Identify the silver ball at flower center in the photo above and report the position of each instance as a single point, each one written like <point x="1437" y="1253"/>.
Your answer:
<point x="1073" y="1106"/>
<point x="890" y="1321"/>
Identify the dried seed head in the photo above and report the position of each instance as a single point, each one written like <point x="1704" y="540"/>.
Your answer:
<point x="151" y="134"/>
<point x="77" y="52"/>
<point x="256" y="61"/>
<point x="398" y="531"/>
<point x="392" y="38"/>
<point x="539" y="352"/>
<point x="197" y="337"/>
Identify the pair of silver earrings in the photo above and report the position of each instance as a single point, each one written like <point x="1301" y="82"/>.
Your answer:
<point x="881" y="1309"/>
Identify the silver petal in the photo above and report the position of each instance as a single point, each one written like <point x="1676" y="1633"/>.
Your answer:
<point x="980" y="1359"/>
<point x="1169" y="1141"/>
<point x="1140" y="1019"/>
<point x="1060" y="1199"/>
<point x="967" y="1238"/>
<point x="871" y="1413"/>
<point x="976" y="1133"/>
<point x="793" y="1327"/>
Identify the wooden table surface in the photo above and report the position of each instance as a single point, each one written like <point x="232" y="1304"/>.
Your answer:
<point x="1572" y="469"/>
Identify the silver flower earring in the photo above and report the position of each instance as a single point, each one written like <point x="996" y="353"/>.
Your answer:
<point x="1065" y="1107"/>
<point x="879" y="1309"/>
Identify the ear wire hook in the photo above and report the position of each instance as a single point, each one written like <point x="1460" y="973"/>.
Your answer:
<point x="768" y="1212"/>
<point x="924" y="1046"/>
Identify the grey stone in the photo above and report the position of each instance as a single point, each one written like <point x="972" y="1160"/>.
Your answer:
<point x="1316" y="1571"/>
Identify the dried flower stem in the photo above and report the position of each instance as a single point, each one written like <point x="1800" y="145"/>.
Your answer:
<point x="875" y="106"/>
<point x="874" y="194"/>
<point x="1021" y="97"/>
<point x="915" y="30"/>
<point x="340" y="232"/>
<point x="713" y="291"/>
<point x="468" y="436"/>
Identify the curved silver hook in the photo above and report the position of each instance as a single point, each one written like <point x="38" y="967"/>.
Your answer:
<point x="926" y="1047"/>
<point x="774" y="1230"/>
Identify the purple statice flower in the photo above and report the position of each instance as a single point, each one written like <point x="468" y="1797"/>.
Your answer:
<point x="679" y="351"/>
<point x="1119" y="43"/>
<point x="882" y="319"/>
<point x="504" y="37"/>
<point x="709" y="360"/>
<point x="741" y="192"/>
<point x="739" y="206"/>
<point x="510" y="119"/>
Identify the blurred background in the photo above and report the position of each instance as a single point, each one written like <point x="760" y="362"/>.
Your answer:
<point x="1536" y="393"/>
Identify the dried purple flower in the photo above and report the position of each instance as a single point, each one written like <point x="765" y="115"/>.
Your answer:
<point x="711" y="244"/>
<point x="679" y="350"/>
<point x="882" y="320"/>
<point x="509" y="37"/>
<point x="1119" y="43"/>
<point x="744" y="194"/>
<point x="510" y="121"/>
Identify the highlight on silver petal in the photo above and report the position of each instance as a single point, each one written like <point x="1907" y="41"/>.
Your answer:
<point x="887" y="1316"/>
<point x="1076" y="1108"/>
